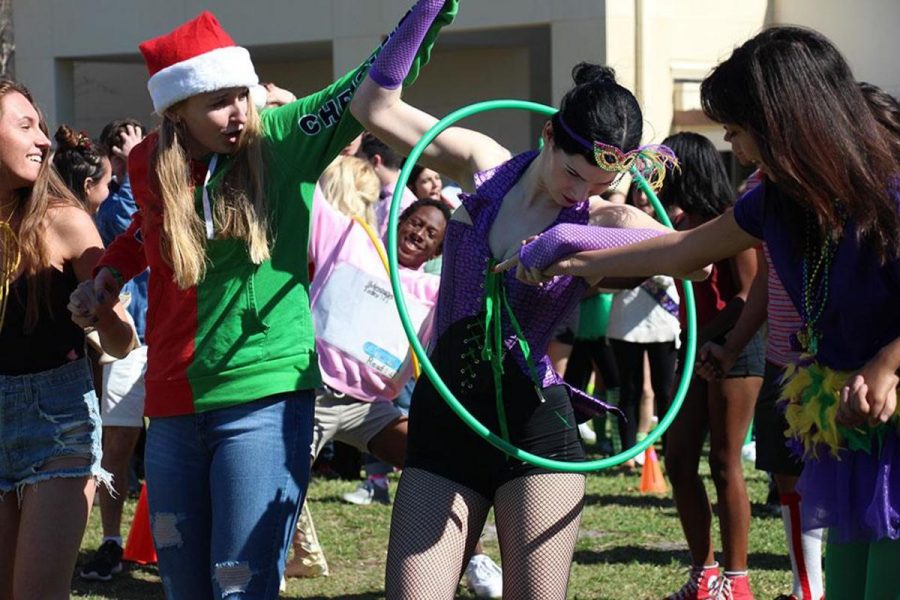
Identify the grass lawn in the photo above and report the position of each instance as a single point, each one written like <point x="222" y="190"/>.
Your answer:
<point x="630" y="547"/>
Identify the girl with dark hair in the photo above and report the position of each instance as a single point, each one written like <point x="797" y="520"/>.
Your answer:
<point x="453" y="477"/>
<point x="700" y="191"/>
<point x="828" y="212"/>
<point x="425" y="183"/>
<point x="644" y="322"/>
<point x="49" y="417"/>
<point x="84" y="168"/>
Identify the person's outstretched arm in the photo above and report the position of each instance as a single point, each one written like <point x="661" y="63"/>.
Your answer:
<point x="457" y="153"/>
<point x="310" y="131"/>
<point x="611" y="226"/>
<point x="678" y="254"/>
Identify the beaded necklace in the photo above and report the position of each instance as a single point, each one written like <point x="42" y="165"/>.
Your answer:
<point x="816" y="268"/>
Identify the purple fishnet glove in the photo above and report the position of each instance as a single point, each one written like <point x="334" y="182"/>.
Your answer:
<point x="393" y="62"/>
<point x="568" y="238"/>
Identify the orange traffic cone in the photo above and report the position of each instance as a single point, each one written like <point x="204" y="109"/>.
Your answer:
<point x="139" y="547"/>
<point x="652" y="480"/>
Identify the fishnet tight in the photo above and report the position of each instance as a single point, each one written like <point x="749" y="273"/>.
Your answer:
<point x="436" y="522"/>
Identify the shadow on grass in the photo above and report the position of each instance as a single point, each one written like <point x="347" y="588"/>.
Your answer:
<point x="665" y="557"/>
<point x="338" y="500"/>
<point x="761" y="510"/>
<point x="122" y="587"/>
<point x="629" y="500"/>
<point x="371" y="595"/>
<point x="758" y="510"/>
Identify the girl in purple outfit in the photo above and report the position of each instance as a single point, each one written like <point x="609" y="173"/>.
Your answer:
<point x="828" y="211"/>
<point x="453" y="477"/>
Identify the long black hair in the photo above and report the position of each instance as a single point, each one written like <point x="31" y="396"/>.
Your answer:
<point x="791" y="89"/>
<point x="700" y="186"/>
<point x="886" y="111"/>
<point x="597" y="109"/>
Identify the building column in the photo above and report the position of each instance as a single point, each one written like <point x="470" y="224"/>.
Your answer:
<point x="572" y="42"/>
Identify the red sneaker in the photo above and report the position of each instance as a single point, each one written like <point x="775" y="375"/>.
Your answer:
<point x="698" y="584"/>
<point x="730" y="587"/>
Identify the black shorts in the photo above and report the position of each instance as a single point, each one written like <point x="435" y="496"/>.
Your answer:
<point x="565" y="332"/>
<point x="441" y="443"/>
<point x="769" y="424"/>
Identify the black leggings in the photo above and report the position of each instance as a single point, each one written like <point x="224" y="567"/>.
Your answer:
<point x="630" y="359"/>
<point x="588" y="354"/>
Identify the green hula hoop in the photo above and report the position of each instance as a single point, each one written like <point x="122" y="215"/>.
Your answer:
<point x="428" y="368"/>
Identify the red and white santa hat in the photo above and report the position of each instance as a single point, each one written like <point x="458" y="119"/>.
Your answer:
<point x="197" y="56"/>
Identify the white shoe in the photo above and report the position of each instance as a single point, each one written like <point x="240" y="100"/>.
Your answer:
<point x="748" y="451"/>
<point x="484" y="577"/>
<point x="367" y="493"/>
<point x="587" y="434"/>
<point x="639" y="458"/>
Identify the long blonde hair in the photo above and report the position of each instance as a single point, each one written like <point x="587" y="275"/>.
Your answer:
<point x="30" y="228"/>
<point x="351" y="186"/>
<point x="240" y="209"/>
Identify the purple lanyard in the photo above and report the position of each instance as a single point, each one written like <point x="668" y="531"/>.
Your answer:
<point x="658" y="293"/>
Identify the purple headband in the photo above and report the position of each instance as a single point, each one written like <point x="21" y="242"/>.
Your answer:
<point x="651" y="160"/>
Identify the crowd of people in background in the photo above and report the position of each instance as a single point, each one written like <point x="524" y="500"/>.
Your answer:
<point x="213" y="296"/>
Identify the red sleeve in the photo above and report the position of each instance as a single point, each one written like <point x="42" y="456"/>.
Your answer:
<point x="126" y="253"/>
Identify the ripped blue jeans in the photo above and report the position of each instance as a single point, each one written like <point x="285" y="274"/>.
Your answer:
<point x="224" y="488"/>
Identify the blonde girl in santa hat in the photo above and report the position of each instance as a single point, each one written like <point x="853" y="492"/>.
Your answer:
<point x="49" y="419"/>
<point x="224" y="194"/>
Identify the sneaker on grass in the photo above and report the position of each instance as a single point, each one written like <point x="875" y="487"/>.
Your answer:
<point x="107" y="561"/>
<point x="730" y="587"/>
<point x="367" y="493"/>
<point x="484" y="577"/>
<point x="699" y="583"/>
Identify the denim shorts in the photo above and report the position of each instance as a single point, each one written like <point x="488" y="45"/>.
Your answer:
<point x="44" y="417"/>
<point x="752" y="360"/>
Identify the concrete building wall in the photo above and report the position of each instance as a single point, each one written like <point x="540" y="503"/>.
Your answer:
<point x="81" y="62"/>
<point x="865" y="31"/>
<point x="80" y="58"/>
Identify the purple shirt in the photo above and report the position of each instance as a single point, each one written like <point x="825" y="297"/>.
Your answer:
<point x="467" y="256"/>
<point x="862" y="311"/>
